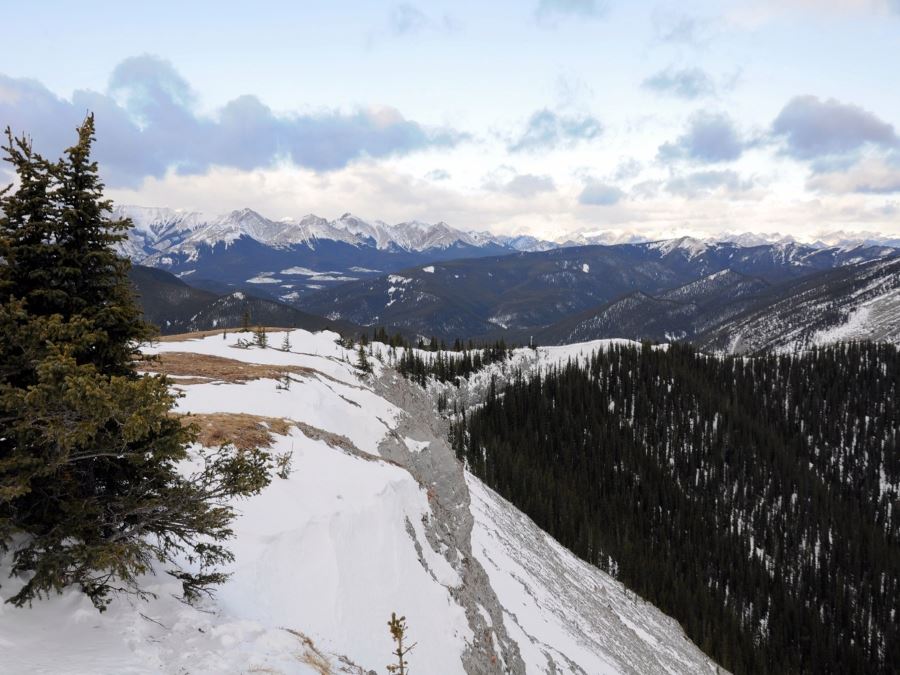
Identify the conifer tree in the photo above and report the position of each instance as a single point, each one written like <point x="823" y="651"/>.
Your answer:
<point x="398" y="630"/>
<point x="89" y="492"/>
<point x="286" y="342"/>
<point x="362" y="361"/>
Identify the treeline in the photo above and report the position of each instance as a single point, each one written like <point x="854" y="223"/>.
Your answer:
<point x="755" y="500"/>
<point x="434" y="358"/>
<point x="449" y="366"/>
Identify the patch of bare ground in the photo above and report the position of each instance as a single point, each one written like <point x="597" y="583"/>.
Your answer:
<point x="216" y="368"/>
<point x="245" y="431"/>
<point x="332" y="439"/>
<point x="241" y="430"/>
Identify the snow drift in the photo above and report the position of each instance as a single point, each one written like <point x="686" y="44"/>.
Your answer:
<point x="376" y="516"/>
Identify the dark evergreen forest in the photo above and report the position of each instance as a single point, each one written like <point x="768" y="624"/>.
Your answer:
<point x="753" y="499"/>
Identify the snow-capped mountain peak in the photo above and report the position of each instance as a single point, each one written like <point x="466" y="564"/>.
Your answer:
<point x="689" y="245"/>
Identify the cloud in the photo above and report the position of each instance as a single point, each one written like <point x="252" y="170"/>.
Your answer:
<point x="549" y="10"/>
<point x="546" y="129"/>
<point x="598" y="193"/>
<point x="438" y="174"/>
<point x="146" y="124"/>
<point x="405" y="19"/>
<point x="675" y="28"/>
<point x="573" y="90"/>
<point x="710" y="138"/>
<point x="627" y="169"/>
<point x="812" y="128"/>
<point x="526" y="185"/>
<point x="686" y="83"/>
<point x="507" y="181"/>
<point x="753" y="13"/>
<point x="870" y="176"/>
<point x="706" y="183"/>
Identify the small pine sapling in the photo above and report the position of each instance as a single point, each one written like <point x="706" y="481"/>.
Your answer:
<point x="284" y="464"/>
<point x="286" y="342"/>
<point x="398" y="630"/>
<point x="260" y="339"/>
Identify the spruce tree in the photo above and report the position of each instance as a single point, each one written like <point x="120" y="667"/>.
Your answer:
<point x="90" y="495"/>
<point x="362" y="361"/>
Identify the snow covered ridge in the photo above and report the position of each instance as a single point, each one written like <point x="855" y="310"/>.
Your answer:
<point x="157" y="230"/>
<point x="376" y="516"/>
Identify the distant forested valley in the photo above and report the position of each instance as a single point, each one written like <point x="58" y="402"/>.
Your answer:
<point x="753" y="499"/>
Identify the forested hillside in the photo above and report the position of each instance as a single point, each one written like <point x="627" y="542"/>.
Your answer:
<point x="754" y="499"/>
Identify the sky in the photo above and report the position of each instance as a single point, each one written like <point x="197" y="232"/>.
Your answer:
<point x="541" y="117"/>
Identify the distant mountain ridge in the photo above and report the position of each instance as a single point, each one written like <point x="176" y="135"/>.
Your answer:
<point x="294" y="257"/>
<point x="176" y="307"/>
<point x="431" y="279"/>
<point x="562" y="295"/>
<point x="157" y="230"/>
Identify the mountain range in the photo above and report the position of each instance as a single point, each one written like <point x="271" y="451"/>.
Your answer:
<point x="292" y="258"/>
<point x="433" y="280"/>
<point x="678" y="289"/>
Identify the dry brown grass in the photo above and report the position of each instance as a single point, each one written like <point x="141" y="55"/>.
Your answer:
<point x="243" y="431"/>
<point x="311" y="655"/>
<point x="218" y="368"/>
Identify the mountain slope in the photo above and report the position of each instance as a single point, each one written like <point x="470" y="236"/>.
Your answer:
<point x="293" y="257"/>
<point x="376" y="516"/>
<point x="670" y="315"/>
<point x="744" y="495"/>
<point x="176" y="307"/>
<point x="521" y="294"/>
<point x="858" y="301"/>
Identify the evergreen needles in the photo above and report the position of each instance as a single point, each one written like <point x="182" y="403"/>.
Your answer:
<point x="90" y="494"/>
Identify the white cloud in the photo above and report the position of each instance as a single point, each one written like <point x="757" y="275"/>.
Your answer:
<point x="872" y="175"/>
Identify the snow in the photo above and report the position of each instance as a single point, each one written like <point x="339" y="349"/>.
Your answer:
<point x="555" y="604"/>
<point x="345" y="559"/>
<point x="262" y="279"/>
<point x="429" y="269"/>
<point x="334" y="570"/>
<point x="691" y="247"/>
<point x="345" y="540"/>
<point x="414" y="445"/>
<point x="305" y="271"/>
<point x="875" y="319"/>
<point x="397" y="279"/>
<point x="161" y="230"/>
<point x="585" y="268"/>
